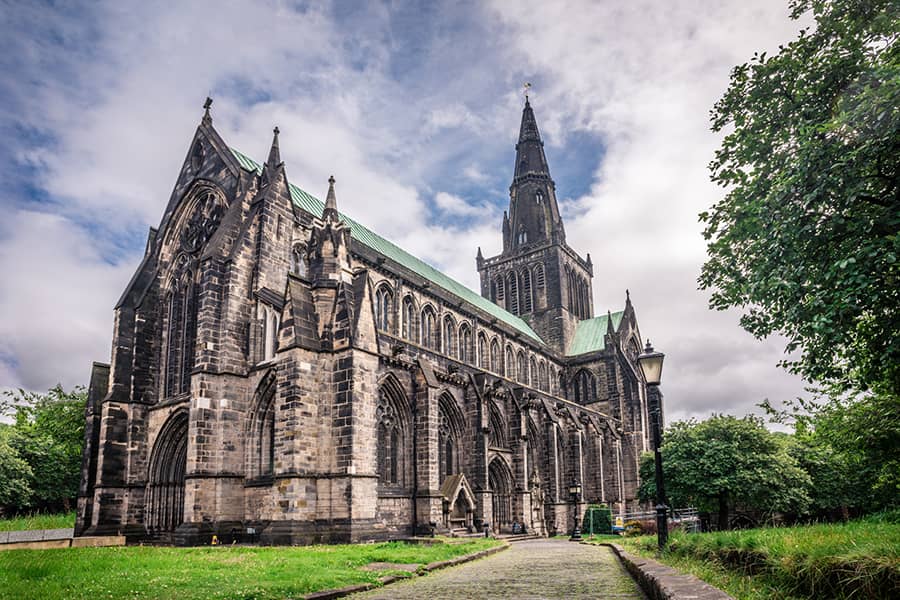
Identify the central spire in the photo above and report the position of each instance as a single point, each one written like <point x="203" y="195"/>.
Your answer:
<point x="533" y="212"/>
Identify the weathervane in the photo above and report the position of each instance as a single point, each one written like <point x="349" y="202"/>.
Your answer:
<point x="527" y="86"/>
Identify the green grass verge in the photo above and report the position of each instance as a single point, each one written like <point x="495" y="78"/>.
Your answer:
<point x="233" y="572"/>
<point x="854" y="560"/>
<point x="39" y="521"/>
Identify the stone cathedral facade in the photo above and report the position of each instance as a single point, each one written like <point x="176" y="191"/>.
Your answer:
<point x="278" y="367"/>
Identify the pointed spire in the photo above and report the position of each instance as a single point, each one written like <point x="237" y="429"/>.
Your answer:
<point x="609" y="324"/>
<point x="274" y="151"/>
<point x="588" y="259"/>
<point x="480" y="256"/>
<point x="207" y="118"/>
<point x="627" y="297"/>
<point x="528" y="130"/>
<point x="330" y="213"/>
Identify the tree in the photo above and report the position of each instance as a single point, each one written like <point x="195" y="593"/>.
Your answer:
<point x="807" y="238"/>
<point x="723" y="461"/>
<point x="48" y="435"/>
<point x="15" y="475"/>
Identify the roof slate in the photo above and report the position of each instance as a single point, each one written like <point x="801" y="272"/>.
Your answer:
<point x="374" y="241"/>
<point x="590" y="334"/>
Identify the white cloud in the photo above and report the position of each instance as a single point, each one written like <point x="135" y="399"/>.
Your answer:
<point x="397" y="112"/>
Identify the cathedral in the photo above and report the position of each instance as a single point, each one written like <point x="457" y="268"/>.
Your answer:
<point x="281" y="370"/>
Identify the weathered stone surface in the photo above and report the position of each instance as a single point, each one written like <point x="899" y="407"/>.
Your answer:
<point x="274" y="379"/>
<point x="661" y="582"/>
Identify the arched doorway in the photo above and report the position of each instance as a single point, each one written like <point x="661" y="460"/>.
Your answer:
<point x="165" y="488"/>
<point x="501" y="483"/>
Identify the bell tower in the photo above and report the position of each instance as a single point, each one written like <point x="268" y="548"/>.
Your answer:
<point x="537" y="276"/>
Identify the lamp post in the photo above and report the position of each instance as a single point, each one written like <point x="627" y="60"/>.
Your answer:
<point x="651" y="363"/>
<point x="575" y="493"/>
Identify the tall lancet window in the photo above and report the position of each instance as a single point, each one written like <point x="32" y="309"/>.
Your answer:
<point x="527" y="294"/>
<point x="408" y="319"/>
<point x="384" y="306"/>
<point x="180" y="335"/>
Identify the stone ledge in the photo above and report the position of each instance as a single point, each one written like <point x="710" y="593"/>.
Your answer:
<point x="660" y="582"/>
<point x="362" y="587"/>
<point x="79" y="542"/>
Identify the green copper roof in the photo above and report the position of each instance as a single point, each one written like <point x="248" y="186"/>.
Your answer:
<point x="590" y="334"/>
<point x="374" y="241"/>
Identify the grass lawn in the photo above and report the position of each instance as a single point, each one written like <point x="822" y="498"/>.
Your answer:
<point x="199" y="573"/>
<point x="39" y="521"/>
<point x="860" y="559"/>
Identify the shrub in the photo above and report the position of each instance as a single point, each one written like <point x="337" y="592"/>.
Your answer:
<point x="597" y="519"/>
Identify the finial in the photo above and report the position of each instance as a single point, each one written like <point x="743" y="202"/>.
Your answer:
<point x="274" y="152"/>
<point x="207" y="118"/>
<point x="330" y="213"/>
<point x="526" y="87"/>
<point x="609" y="324"/>
<point x="627" y="296"/>
<point x="480" y="255"/>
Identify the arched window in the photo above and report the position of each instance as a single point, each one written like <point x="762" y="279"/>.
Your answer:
<point x="501" y="295"/>
<point x="429" y="330"/>
<point x="533" y="379"/>
<point x="484" y="360"/>
<point x="449" y="433"/>
<point x="539" y="198"/>
<point x="392" y="433"/>
<point x="298" y="261"/>
<point x="512" y="293"/>
<point x="495" y="357"/>
<point x="384" y="307"/>
<point x="181" y="332"/>
<point x="527" y="296"/>
<point x="449" y="335"/>
<point x="270" y="320"/>
<point x="539" y="286"/>
<point x="409" y="319"/>
<point x="508" y="364"/>
<point x="523" y="236"/>
<point x="542" y="377"/>
<point x="465" y="344"/>
<point x="584" y="387"/>
<point x="522" y="368"/>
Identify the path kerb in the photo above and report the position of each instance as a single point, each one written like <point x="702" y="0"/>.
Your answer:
<point x="660" y="582"/>
<point x="423" y="570"/>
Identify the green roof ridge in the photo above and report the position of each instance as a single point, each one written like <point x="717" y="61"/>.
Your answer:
<point x="313" y="205"/>
<point x="590" y="334"/>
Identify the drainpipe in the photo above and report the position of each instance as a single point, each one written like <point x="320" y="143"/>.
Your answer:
<point x="415" y="453"/>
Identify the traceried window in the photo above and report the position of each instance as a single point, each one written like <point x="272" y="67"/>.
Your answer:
<point x="465" y="344"/>
<point x="501" y="295"/>
<point x="449" y="335"/>
<point x="429" y="330"/>
<point x="495" y="357"/>
<point x="522" y="368"/>
<point x="384" y="307"/>
<point x="533" y="379"/>
<point x="509" y="365"/>
<point x="181" y="316"/>
<point x="523" y="236"/>
<point x="542" y="377"/>
<point x="539" y="285"/>
<point x="389" y="441"/>
<point x="584" y="387"/>
<point x="512" y="293"/>
<point x="408" y="319"/>
<point x="484" y="360"/>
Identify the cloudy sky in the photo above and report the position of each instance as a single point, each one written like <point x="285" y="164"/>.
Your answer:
<point x="414" y="107"/>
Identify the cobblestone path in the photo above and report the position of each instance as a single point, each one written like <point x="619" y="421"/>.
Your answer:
<point x="533" y="569"/>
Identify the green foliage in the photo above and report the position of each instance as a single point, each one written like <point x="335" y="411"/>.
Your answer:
<point x="859" y="559"/>
<point x="135" y="572"/>
<point x="48" y="437"/>
<point x="807" y="238"/>
<point x="597" y="520"/>
<point x="15" y="475"/>
<point x="39" y="521"/>
<point x="717" y="463"/>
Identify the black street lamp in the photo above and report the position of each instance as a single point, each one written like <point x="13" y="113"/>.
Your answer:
<point x="651" y="366"/>
<point x="575" y="493"/>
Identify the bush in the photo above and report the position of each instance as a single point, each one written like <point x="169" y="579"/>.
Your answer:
<point x="597" y="519"/>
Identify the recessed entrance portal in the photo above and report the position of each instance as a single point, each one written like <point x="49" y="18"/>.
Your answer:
<point x="165" y="490"/>
<point x="500" y="480"/>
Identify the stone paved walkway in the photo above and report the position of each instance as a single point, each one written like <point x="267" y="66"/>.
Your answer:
<point x="533" y="569"/>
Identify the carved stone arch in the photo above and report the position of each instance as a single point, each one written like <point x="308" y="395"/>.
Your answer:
<point x="164" y="508"/>
<point x="502" y="485"/>
<point x="448" y="335"/>
<point x="464" y="344"/>
<point x="429" y="333"/>
<point x="260" y="429"/>
<point x="509" y="362"/>
<point x="496" y="359"/>
<point x="393" y="419"/>
<point x="584" y="387"/>
<point x="194" y="221"/>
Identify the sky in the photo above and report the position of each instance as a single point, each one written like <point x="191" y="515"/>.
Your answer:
<point x="414" y="107"/>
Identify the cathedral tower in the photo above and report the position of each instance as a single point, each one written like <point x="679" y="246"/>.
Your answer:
<point x="537" y="276"/>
